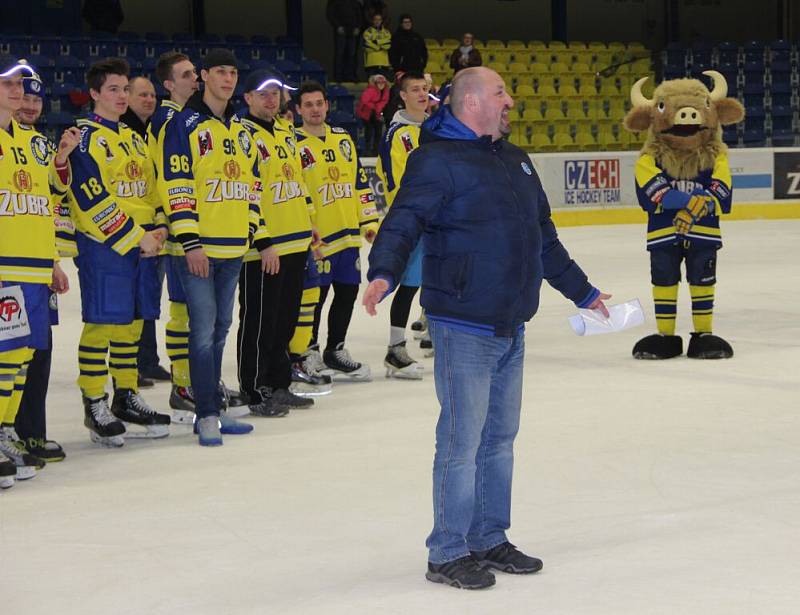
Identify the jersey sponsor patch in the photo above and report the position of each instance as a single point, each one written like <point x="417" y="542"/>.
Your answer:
<point x="138" y="144"/>
<point x="408" y="144"/>
<point x="244" y="142"/>
<point x="291" y="145"/>
<point x="113" y="224"/>
<point x="181" y="203"/>
<point x="263" y="150"/>
<point x="205" y="142"/>
<point x="40" y="149"/>
<point x="102" y="142"/>
<point x="307" y="159"/>
<point x="346" y="149"/>
<point x="526" y="168"/>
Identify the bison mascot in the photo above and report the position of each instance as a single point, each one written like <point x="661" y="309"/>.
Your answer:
<point x="683" y="182"/>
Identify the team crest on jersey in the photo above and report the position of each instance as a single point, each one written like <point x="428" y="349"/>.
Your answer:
<point x="526" y="167"/>
<point x="23" y="181"/>
<point x="101" y="141"/>
<point x="138" y="144"/>
<point x="263" y="150"/>
<point x="291" y="145"/>
<point x="408" y="144"/>
<point x="307" y="158"/>
<point x="346" y="149"/>
<point x="244" y="142"/>
<point x="232" y="169"/>
<point x="287" y="171"/>
<point x="133" y="170"/>
<point x="204" y="142"/>
<point x="333" y="173"/>
<point x="40" y="149"/>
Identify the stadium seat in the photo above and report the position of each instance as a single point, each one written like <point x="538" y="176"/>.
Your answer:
<point x="783" y="138"/>
<point x="524" y="89"/>
<point x="781" y="93"/>
<point x="540" y="142"/>
<point x="585" y="141"/>
<point x="730" y="135"/>
<point x="782" y="118"/>
<point x="754" y="138"/>
<point x="753" y="51"/>
<point x="754" y="118"/>
<point x="753" y="95"/>
<point x="532" y="115"/>
<point x="780" y="51"/>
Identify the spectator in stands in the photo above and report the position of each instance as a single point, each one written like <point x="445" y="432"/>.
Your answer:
<point x="376" y="7"/>
<point x="377" y="41"/>
<point x="345" y="17"/>
<point x="408" y="51"/>
<point x="141" y="106"/>
<point x="466" y="55"/>
<point x="370" y="110"/>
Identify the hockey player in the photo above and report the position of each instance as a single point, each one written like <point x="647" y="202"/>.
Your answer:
<point x="269" y="304"/>
<point x="400" y="140"/>
<point x="31" y="421"/>
<point x="113" y="191"/>
<point x="211" y="193"/>
<point x="177" y="74"/>
<point x="29" y="193"/>
<point x="683" y="182"/>
<point x="345" y="210"/>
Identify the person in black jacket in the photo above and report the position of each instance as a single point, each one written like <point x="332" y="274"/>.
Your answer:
<point x="408" y="52"/>
<point x="489" y="241"/>
<point x="346" y="18"/>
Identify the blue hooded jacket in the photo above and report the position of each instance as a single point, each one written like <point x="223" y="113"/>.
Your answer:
<point x="488" y="239"/>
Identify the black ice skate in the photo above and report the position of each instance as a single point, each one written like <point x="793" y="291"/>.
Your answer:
<point x="14" y="449"/>
<point x="130" y="408"/>
<point x="708" y="346"/>
<point x="658" y="347"/>
<point x="103" y="427"/>
<point x="307" y="381"/>
<point x="8" y="472"/>
<point x="400" y="365"/>
<point x="181" y="401"/>
<point x="47" y="450"/>
<point x="340" y="366"/>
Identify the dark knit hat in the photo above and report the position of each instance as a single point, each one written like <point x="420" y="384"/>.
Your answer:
<point x="219" y="57"/>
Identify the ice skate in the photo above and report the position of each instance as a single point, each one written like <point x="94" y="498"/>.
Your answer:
<point x="14" y="449"/>
<point x="307" y="381"/>
<point x="103" y="427"/>
<point x="658" y="347"/>
<point x="400" y="365"/>
<point x="131" y="408"/>
<point x="47" y="450"/>
<point x="708" y="346"/>
<point x="8" y="472"/>
<point x="340" y="366"/>
<point x="426" y="344"/>
<point x="420" y="326"/>
<point x="229" y="396"/>
<point x="181" y="401"/>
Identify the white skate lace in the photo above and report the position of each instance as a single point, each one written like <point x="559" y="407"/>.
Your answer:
<point x="343" y="356"/>
<point x="9" y="447"/>
<point x="141" y="405"/>
<point x="312" y="363"/>
<point x="401" y="354"/>
<point x="101" y="412"/>
<point x="13" y="440"/>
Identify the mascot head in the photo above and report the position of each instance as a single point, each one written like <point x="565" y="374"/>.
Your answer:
<point x="684" y="122"/>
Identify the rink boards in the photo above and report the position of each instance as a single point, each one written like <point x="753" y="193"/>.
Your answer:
<point x="598" y="187"/>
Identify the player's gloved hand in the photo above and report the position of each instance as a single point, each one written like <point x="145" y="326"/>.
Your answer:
<point x="695" y="209"/>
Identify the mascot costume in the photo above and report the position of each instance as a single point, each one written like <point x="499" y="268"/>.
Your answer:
<point x="683" y="182"/>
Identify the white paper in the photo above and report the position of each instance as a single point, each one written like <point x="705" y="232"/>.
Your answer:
<point x="13" y="316"/>
<point x="620" y="317"/>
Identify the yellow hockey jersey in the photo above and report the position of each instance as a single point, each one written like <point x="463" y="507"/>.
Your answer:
<point x="155" y="145"/>
<point x="29" y="195"/>
<point x="285" y="205"/>
<point x="209" y="182"/>
<point x="401" y="139"/>
<point x="338" y="185"/>
<point x="113" y="185"/>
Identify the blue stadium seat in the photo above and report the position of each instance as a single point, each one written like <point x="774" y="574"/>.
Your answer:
<point x="126" y="36"/>
<point x="235" y="39"/>
<point x="753" y="95"/>
<point x="182" y="37"/>
<point x="780" y="70"/>
<point x="155" y="36"/>
<point x="730" y="135"/>
<point x="728" y="53"/>
<point x="754" y="52"/>
<point x="676" y="54"/>
<point x="702" y="55"/>
<point x="780" y="51"/>
<point x="781" y="93"/>
<point x="783" y="138"/>
<point x="135" y="50"/>
<point x="313" y="71"/>
<point x="754" y="118"/>
<point x="260" y="40"/>
<point x="46" y="45"/>
<point x="782" y="117"/>
<point x="19" y="46"/>
<point x="261" y="64"/>
<point x="38" y="61"/>
<point x="70" y="62"/>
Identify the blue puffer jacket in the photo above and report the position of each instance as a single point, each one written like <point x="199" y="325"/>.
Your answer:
<point x="488" y="239"/>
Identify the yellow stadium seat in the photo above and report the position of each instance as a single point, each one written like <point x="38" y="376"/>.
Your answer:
<point x="540" y="81"/>
<point x="580" y="67"/>
<point x="585" y="141"/>
<point x="596" y="45"/>
<point x="554" y="114"/>
<point x="563" y="142"/>
<point x="546" y="90"/>
<point x="532" y="115"/>
<point x="493" y="42"/>
<point x="518" y="67"/>
<point x="478" y="43"/>
<point x="431" y="42"/>
<point x="539" y="68"/>
<point x="500" y="56"/>
<point x="524" y="89"/>
<point x="602" y="59"/>
<point x="556" y="45"/>
<point x="576" y="45"/>
<point x="587" y="91"/>
<point x="558" y="67"/>
<point x="560" y="57"/>
<point x="616" y="46"/>
<point x="432" y="67"/>
<point x="451" y="43"/>
<point x="497" y="66"/>
<point x="541" y="143"/>
<point x="537" y="45"/>
<point x="594" y="108"/>
<point x="608" y="89"/>
<point x="515" y="44"/>
<point x="518" y="139"/>
<point x="567" y="91"/>
<point x="514" y="116"/>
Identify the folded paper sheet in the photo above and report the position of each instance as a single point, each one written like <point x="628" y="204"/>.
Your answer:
<point x="620" y="317"/>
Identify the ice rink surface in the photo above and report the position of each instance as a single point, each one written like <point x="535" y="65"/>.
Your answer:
<point x="646" y="487"/>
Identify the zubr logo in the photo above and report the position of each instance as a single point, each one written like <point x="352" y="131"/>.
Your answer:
<point x="9" y="309"/>
<point x="591" y="182"/>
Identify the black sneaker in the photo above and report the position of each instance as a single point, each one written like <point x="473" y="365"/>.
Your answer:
<point x="266" y="405"/>
<point x="286" y="398"/>
<point x="49" y="450"/>
<point x="463" y="573"/>
<point x="507" y="558"/>
<point x="157" y="373"/>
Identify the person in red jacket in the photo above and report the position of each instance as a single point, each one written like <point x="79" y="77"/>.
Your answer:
<point x="370" y="111"/>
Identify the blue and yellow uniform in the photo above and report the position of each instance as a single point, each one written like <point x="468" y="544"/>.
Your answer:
<point x="30" y="194"/>
<point x="112" y="190"/>
<point x="345" y="210"/>
<point x="662" y="197"/>
<point x="177" y="328"/>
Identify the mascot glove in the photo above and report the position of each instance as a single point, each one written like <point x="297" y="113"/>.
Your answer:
<point x="696" y="208"/>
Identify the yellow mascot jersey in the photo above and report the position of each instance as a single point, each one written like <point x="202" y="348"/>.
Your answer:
<point x="29" y="198"/>
<point x="209" y="182"/>
<point x="338" y="184"/>
<point x="285" y="204"/>
<point x="113" y="185"/>
<point x="401" y="139"/>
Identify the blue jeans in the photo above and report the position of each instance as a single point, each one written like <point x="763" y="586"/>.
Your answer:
<point x="479" y="386"/>
<point x="210" y="305"/>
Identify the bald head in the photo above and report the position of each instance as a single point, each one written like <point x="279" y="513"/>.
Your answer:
<point x="478" y="99"/>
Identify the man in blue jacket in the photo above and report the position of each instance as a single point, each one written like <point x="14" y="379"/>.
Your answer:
<point x="488" y="239"/>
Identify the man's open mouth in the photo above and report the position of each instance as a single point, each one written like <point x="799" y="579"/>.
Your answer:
<point x="684" y="130"/>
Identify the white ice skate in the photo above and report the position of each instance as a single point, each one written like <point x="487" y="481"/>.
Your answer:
<point x="399" y="364"/>
<point x="307" y="377"/>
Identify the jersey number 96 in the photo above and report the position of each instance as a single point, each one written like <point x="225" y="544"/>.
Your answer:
<point x="179" y="163"/>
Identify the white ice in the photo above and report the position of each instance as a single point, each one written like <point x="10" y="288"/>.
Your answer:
<point x="646" y="487"/>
